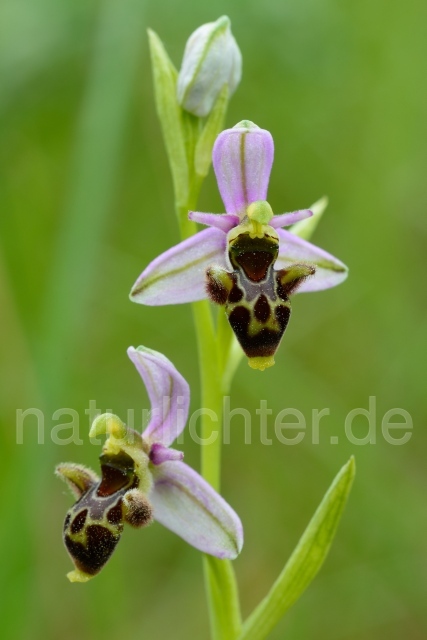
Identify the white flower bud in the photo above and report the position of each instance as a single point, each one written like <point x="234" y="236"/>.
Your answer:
<point x="211" y="60"/>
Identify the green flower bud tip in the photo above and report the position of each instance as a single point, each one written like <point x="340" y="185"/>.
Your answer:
<point x="246" y="125"/>
<point x="211" y="60"/>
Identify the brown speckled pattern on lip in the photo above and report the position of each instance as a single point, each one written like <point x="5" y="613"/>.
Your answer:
<point x="94" y="524"/>
<point x="256" y="302"/>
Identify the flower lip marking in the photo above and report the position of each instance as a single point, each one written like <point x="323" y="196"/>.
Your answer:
<point x="93" y="526"/>
<point x="253" y="255"/>
<point x="262" y="309"/>
<point x="255" y="298"/>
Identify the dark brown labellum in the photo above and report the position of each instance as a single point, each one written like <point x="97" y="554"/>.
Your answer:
<point x="93" y="526"/>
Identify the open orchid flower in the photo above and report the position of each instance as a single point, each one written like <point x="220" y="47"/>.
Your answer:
<point x="143" y="479"/>
<point x="245" y="260"/>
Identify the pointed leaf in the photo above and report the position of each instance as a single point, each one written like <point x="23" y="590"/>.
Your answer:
<point x="170" y="115"/>
<point x="305" y="561"/>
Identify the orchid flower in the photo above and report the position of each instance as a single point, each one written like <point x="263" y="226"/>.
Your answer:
<point x="143" y="479"/>
<point x="245" y="260"/>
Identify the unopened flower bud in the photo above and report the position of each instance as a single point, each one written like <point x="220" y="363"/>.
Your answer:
<point x="211" y="60"/>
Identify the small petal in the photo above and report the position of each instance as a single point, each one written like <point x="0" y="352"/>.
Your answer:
<point x="329" y="270"/>
<point x="178" y="275"/>
<point x="187" y="505"/>
<point x="223" y="221"/>
<point x="169" y="395"/>
<point x="242" y="159"/>
<point x="159" y="454"/>
<point x="286" y="219"/>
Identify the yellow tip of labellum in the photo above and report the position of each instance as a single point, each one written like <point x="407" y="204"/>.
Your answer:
<point x="261" y="363"/>
<point x="78" y="576"/>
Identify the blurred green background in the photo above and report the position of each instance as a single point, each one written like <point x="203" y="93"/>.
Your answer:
<point x="86" y="203"/>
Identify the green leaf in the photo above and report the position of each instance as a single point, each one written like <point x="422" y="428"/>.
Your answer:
<point x="305" y="228"/>
<point x="170" y="115"/>
<point x="213" y="126"/>
<point x="305" y="561"/>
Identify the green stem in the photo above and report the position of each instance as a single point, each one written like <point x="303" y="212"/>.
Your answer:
<point x="223" y="599"/>
<point x="220" y="580"/>
<point x="221" y="586"/>
<point x="187" y="227"/>
<point x="211" y="396"/>
<point x="207" y="345"/>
